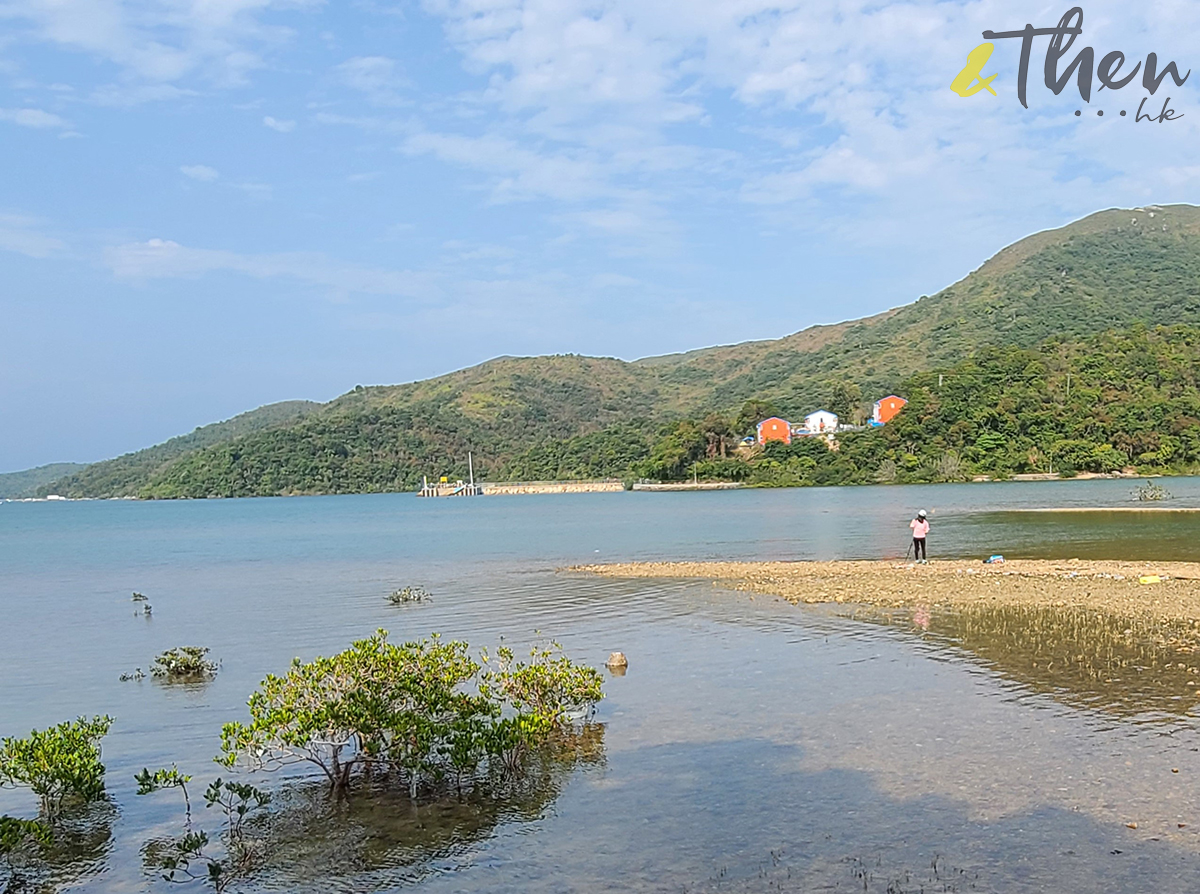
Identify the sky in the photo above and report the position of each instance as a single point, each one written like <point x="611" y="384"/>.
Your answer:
<point x="208" y="205"/>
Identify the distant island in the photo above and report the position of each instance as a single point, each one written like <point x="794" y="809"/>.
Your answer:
<point x="1072" y="351"/>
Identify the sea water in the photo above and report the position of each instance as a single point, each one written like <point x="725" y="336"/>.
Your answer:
<point x="751" y="746"/>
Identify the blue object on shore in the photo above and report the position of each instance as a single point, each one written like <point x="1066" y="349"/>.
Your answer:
<point x="994" y="560"/>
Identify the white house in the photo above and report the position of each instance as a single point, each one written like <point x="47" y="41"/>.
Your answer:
<point x="820" y="422"/>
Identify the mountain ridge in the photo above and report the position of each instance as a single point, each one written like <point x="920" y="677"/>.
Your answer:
<point x="25" y="482"/>
<point x="1109" y="270"/>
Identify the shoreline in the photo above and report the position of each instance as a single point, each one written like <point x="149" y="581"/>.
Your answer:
<point x="503" y="487"/>
<point x="1109" y="586"/>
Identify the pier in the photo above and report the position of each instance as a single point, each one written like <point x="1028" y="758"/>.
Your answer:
<point x="446" y="488"/>
<point x="458" y="488"/>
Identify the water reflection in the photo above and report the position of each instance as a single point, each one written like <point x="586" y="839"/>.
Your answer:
<point x="1149" y="535"/>
<point x="380" y="838"/>
<point x="79" y="849"/>
<point x="1124" y="665"/>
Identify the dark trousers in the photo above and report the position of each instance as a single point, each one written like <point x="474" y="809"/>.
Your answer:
<point x="919" y="548"/>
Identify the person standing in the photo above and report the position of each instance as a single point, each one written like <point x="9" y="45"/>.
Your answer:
<point x="920" y="530"/>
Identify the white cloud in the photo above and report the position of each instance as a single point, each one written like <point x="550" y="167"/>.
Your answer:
<point x="162" y="258"/>
<point x="522" y="172"/>
<point x="157" y="41"/>
<point x="627" y="108"/>
<point x="377" y="77"/>
<point x="279" y="125"/>
<point x="256" y="190"/>
<point x="22" y="235"/>
<point x="128" y="95"/>
<point x="369" y="124"/>
<point x="202" y="173"/>
<point x="35" y="118"/>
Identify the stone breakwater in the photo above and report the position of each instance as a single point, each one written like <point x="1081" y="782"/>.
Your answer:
<point x="552" y="487"/>
<point x="1116" y="587"/>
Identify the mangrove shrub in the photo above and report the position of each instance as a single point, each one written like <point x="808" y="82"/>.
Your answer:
<point x="194" y="856"/>
<point x="61" y="765"/>
<point x="420" y="710"/>
<point x="184" y="663"/>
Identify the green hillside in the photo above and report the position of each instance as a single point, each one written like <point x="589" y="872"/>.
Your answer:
<point x="14" y="485"/>
<point x="1103" y="272"/>
<point x="125" y="475"/>
<point x="1109" y="271"/>
<point x="1116" y="400"/>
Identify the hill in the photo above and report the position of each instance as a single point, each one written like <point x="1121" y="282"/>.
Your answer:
<point x="1109" y="271"/>
<point x="14" y="485"/>
<point x="1106" y="403"/>
<point x="125" y="475"/>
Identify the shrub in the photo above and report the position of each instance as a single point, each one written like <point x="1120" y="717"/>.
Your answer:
<point x="409" y="594"/>
<point x="163" y="779"/>
<point x="184" y="663"/>
<point x="1151" y="492"/>
<point x="60" y="765"/>
<point x="374" y="703"/>
<point x="550" y="687"/>
<point x="721" y="469"/>
<point x="188" y="857"/>
<point x="419" y="709"/>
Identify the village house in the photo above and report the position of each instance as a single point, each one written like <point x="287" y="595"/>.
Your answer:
<point x="774" y="429"/>
<point x="886" y="409"/>
<point x="820" y="422"/>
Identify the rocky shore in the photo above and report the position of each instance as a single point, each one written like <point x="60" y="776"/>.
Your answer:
<point x="1154" y="590"/>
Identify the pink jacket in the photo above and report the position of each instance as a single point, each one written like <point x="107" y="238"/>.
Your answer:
<point x="919" y="528"/>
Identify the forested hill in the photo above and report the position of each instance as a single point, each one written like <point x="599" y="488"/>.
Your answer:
<point x="1109" y="271"/>
<point x="1115" y="401"/>
<point x="14" y="485"/>
<point x="126" y="475"/>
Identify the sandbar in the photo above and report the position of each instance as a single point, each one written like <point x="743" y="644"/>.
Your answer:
<point x="1115" y="587"/>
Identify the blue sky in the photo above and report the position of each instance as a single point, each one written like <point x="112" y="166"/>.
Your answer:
<point x="215" y="204"/>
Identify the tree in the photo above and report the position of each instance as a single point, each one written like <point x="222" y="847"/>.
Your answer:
<point x="672" y="456"/>
<point x="843" y="399"/>
<point x="718" y="433"/>
<point x="753" y="412"/>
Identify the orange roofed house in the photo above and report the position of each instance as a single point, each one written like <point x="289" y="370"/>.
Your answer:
<point x="774" y="429"/>
<point x="886" y="409"/>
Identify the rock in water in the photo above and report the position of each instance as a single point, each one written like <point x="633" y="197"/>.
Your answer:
<point x="617" y="659"/>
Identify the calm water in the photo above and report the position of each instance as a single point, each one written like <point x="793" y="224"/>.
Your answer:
<point x="752" y="746"/>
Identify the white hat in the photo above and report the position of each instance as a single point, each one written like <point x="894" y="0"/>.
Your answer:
<point x="921" y="514"/>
